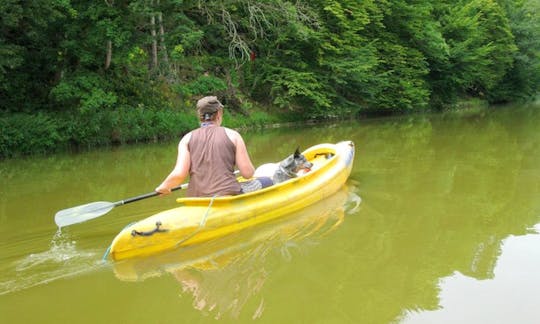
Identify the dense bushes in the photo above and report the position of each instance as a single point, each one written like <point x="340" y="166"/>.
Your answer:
<point x="23" y="133"/>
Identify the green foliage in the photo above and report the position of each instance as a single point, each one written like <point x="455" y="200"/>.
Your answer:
<point x="10" y="53"/>
<point x="203" y="85"/>
<point x="292" y="87"/>
<point x="25" y="134"/>
<point x="481" y="45"/>
<point x="522" y="81"/>
<point x="47" y="132"/>
<point x="400" y="84"/>
<point x="84" y="92"/>
<point x="347" y="58"/>
<point x="102" y="72"/>
<point x="259" y="119"/>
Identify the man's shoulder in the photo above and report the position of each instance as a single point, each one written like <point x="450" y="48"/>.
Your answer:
<point x="185" y="139"/>
<point x="233" y="135"/>
<point x="231" y="132"/>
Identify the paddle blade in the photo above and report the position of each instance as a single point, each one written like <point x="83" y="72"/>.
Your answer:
<point x="82" y="213"/>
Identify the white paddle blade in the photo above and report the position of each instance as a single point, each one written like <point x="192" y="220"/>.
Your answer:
<point x="82" y="213"/>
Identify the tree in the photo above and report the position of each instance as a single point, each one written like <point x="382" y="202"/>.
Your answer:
<point x="481" y="46"/>
<point x="522" y="81"/>
<point x="30" y="36"/>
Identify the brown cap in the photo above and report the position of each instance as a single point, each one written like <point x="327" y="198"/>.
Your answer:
<point x="208" y="105"/>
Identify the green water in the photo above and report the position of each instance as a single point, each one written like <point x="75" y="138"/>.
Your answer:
<point x="437" y="224"/>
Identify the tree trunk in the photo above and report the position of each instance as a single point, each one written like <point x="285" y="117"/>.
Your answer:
<point x="154" y="42"/>
<point x="163" y="47"/>
<point x="109" y="55"/>
<point x="233" y="99"/>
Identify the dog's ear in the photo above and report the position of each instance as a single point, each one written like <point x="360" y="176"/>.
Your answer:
<point x="288" y="162"/>
<point x="297" y="152"/>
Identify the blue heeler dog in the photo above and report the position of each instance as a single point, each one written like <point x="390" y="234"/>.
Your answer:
<point x="290" y="167"/>
<point x="294" y="165"/>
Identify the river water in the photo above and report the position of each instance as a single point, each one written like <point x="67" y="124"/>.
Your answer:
<point x="438" y="223"/>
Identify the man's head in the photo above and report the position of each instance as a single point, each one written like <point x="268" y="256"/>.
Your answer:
<point x="207" y="108"/>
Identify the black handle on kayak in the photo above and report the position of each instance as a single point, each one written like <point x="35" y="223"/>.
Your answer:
<point x="148" y="233"/>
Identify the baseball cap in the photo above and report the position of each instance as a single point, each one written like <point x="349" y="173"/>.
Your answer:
<point x="208" y="105"/>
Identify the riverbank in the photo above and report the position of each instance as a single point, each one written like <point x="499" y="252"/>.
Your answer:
<point x="45" y="132"/>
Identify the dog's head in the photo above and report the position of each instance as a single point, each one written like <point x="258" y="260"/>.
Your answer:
<point x="296" y="162"/>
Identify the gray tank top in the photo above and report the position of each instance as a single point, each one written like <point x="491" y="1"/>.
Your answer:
<point x="213" y="157"/>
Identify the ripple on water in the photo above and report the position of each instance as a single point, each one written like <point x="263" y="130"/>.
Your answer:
<point x="62" y="260"/>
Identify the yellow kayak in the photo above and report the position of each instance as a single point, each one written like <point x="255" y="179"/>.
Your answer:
<point x="198" y="220"/>
<point x="312" y="222"/>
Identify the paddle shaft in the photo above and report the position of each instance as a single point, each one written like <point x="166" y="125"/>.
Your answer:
<point x="148" y="195"/>
<point x="153" y="194"/>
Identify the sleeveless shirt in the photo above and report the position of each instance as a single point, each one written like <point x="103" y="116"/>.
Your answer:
<point x="213" y="157"/>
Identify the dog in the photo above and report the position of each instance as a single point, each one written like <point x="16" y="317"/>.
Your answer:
<point x="294" y="165"/>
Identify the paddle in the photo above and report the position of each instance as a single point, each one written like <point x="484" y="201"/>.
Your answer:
<point x="82" y="213"/>
<point x="93" y="210"/>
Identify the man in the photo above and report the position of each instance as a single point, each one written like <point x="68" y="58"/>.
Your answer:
<point x="209" y="155"/>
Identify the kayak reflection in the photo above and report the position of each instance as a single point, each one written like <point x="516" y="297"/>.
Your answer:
<point x="224" y="274"/>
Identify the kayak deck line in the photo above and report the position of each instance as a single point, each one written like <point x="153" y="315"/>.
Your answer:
<point x="201" y="225"/>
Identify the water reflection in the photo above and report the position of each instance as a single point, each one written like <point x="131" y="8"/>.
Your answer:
<point x="506" y="298"/>
<point x="444" y="199"/>
<point x="226" y="274"/>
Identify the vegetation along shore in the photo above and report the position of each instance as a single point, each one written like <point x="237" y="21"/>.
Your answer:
<point x="82" y="74"/>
